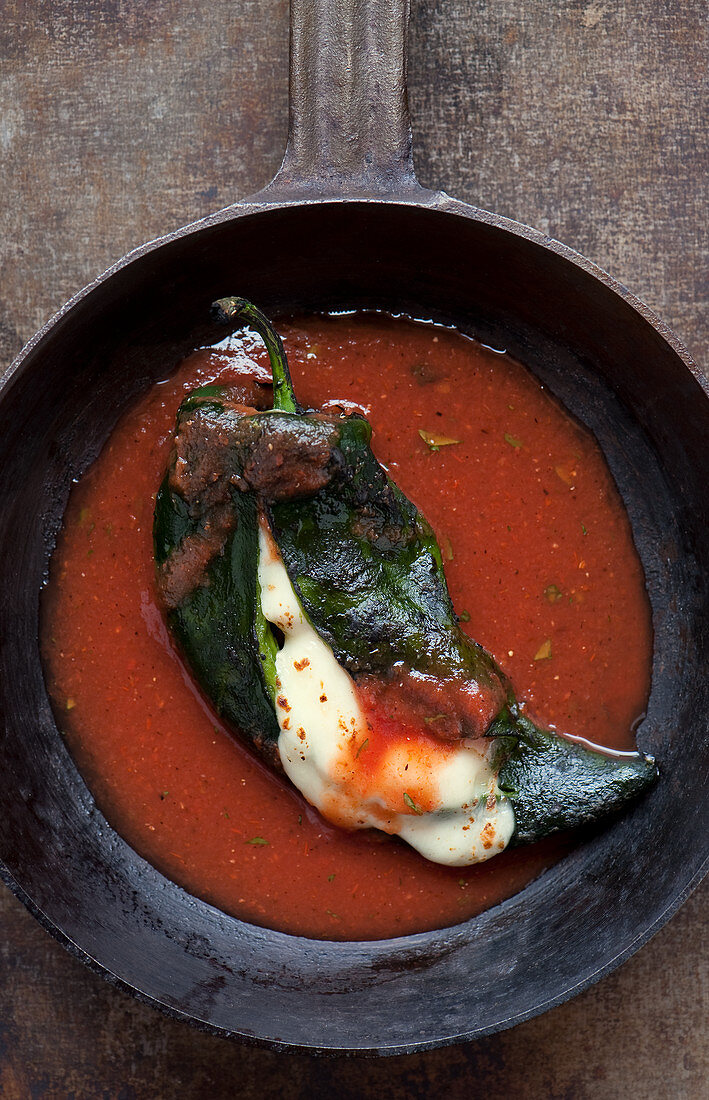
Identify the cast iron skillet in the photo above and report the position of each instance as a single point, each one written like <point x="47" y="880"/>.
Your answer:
<point x="346" y="224"/>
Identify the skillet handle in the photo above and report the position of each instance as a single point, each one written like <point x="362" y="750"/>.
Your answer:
<point x="349" y="131"/>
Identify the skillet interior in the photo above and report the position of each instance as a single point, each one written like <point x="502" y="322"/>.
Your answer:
<point x="651" y="415"/>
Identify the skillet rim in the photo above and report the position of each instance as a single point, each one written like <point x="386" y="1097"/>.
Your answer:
<point x="270" y="199"/>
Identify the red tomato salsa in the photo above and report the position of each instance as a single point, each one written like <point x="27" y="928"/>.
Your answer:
<point x="541" y="566"/>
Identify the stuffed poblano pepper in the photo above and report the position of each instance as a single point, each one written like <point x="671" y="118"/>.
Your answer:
<point x="308" y="597"/>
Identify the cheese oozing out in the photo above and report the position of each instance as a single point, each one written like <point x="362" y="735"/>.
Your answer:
<point x="443" y="800"/>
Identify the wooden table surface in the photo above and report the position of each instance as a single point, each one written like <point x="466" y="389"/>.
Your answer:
<point x="119" y="121"/>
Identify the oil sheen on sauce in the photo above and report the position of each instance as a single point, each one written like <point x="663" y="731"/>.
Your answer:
<point x="540" y="563"/>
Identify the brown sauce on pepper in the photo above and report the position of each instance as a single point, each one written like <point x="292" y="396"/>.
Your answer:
<point x="541" y="566"/>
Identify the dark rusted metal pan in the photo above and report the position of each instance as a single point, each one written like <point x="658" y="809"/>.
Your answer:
<point x="346" y="224"/>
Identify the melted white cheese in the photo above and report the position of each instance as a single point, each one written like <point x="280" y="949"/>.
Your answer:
<point x="321" y="723"/>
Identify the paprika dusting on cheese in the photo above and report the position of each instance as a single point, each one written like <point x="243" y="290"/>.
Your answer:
<point x="541" y="568"/>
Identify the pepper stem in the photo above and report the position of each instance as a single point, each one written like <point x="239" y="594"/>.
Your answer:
<point x="235" y="309"/>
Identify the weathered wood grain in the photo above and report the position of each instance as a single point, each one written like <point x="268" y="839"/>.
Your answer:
<point x="65" y="1033"/>
<point x="121" y="120"/>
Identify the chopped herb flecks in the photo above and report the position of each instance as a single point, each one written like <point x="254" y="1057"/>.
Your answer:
<point x="516" y="443"/>
<point x="553" y="593"/>
<point x="257" y="841"/>
<point x="434" y="441"/>
<point x="544" y="651"/>
<point x="424" y="373"/>
<point x="411" y="804"/>
<point x="567" y="474"/>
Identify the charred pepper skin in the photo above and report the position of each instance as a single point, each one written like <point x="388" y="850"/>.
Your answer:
<point x="556" y="784"/>
<point x="369" y="574"/>
<point x="368" y="571"/>
<point x="217" y="624"/>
